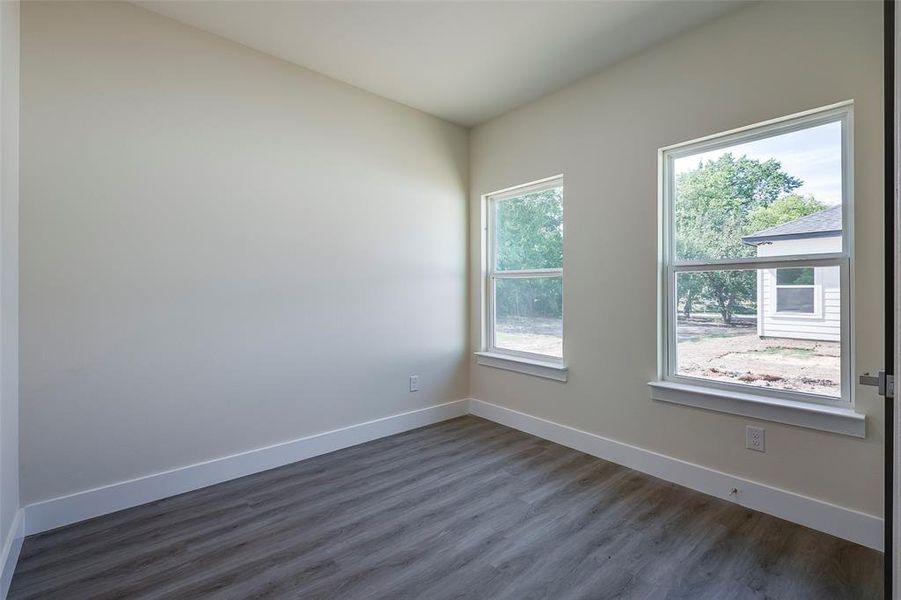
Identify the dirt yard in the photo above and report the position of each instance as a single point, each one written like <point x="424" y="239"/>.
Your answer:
<point x="714" y="351"/>
<point x="540" y="336"/>
<point x="707" y="348"/>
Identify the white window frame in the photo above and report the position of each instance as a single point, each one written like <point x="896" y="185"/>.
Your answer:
<point x="490" y="354"/>
<point x="787" y="406"/>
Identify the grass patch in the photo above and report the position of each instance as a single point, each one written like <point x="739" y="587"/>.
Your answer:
<point x="701" y="337"/>
<point x="788" y="351"/>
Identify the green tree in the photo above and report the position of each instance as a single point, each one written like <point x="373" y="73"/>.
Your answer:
<point x="530" y="231"/>
<point x="690" y="288"/>
<point x="783" y="210"/>
<point x="713" y="209"/>
<point x="713" y="203"/>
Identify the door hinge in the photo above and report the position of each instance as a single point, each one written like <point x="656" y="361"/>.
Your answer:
<point x="881" y="380"/>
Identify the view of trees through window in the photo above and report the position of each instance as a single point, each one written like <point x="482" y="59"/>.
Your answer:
<point x="716" y="205"/>
<point x="529" y="237"/>
<point x="725" y="205"/>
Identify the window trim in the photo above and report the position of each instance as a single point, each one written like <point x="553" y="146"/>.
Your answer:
<point x="489" y="354"/>
<point x="548" y="370"/>
<point x="834" y="419"/>
<point x="668" y="265"/>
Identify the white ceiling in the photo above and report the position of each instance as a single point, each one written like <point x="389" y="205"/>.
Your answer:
<point x="462" y="61"/>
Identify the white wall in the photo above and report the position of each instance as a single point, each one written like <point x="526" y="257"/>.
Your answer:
<point x="220" y="250"/>
<point x="9" y="269"/>
<point x="762" y="62"/>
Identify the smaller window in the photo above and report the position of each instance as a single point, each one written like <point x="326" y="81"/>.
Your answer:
<point x="525" y="271"/>
<point x="795" y="290"/>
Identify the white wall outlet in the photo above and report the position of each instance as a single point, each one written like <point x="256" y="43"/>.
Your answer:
<point x="755" y="438"/>
<point x="414" y="383"/>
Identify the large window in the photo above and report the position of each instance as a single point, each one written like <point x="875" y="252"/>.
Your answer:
<point x="525" y="272"/>
<point x="756" y="258"/>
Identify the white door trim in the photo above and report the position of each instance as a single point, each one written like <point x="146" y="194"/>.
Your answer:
<point x="896" y="425"/>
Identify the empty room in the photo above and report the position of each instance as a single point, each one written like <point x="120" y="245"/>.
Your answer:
<point x="432" y="299"/>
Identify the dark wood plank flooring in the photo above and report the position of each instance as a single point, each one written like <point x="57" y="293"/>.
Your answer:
<point x="462" y="509"/>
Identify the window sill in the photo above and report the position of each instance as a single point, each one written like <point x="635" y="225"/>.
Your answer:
<point x="803" y="414"/>
<point x="538" y="368"/>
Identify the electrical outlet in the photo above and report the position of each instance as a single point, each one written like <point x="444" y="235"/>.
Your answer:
<point x="414" y="383"/>
<point x="755" y="438"/>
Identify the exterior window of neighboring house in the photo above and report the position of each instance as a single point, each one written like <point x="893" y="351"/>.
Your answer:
<point x="755" y="248"/>
<point x="795" y="290"/>
<point x="524" y="279"/>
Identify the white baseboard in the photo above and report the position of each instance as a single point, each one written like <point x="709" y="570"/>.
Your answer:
<point x="12" y="545"/>
<point x="64" y="510"/>
<point x="845" y="523"/>
<point x="842" y="522"/>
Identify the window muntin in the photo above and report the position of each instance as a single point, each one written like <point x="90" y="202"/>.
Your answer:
<point x="525" y="271"/>
<point x="813" y="333"/>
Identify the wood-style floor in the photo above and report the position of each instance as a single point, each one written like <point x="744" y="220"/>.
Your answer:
<point x="463" y="509"/>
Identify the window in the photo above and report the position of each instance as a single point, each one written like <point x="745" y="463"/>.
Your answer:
<point x="755" y="260"/>
<point x="795" y="290"/>
<point x="524" y="283"/>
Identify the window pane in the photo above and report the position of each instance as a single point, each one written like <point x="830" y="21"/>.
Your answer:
<point x="529" y="231"/>
<point x="529" y="315"/>
<point x="795" y="299"/>
<point x="776" y="196"/>
<point x="727" y="331"/>
<point x="795" y="276"/>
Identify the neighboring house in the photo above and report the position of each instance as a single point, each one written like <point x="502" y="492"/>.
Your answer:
<point x="800" y="303"/>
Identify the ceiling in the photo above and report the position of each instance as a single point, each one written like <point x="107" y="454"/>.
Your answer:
<point x="462" y="61"/>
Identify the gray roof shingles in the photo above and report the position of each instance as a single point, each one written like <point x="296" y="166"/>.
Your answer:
<point x="826" y="223"/>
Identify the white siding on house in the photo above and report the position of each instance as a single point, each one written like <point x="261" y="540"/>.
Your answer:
<point x="825" y="323"/>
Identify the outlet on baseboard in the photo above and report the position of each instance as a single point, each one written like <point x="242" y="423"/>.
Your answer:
<point x="755" y="438"/>
<point x="414" y="383"/>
